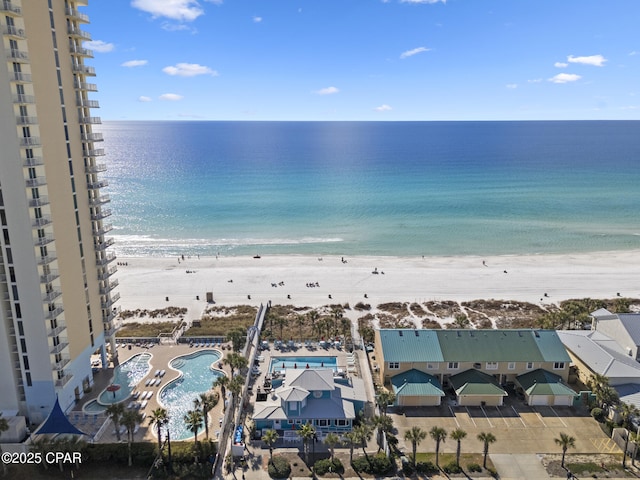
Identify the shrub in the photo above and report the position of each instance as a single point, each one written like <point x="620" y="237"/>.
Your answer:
<point x="279" y="467"/>
<point x="325" y="465"/>
<point x="474" y="467"/>
<point x="598" y="414"/>
<point x="426" y="467"/>
<point x="378" y="464"/>
<point x="452" y="467"/>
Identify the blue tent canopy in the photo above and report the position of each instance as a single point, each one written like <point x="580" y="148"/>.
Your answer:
<point x="57" y="423"/>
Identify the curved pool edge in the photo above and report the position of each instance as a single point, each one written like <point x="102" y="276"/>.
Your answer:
<point x="122" y="363"/>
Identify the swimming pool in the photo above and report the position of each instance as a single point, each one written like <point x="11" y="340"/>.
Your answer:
<point x="127" y="375"/>
<point x="94" y="408"/>
<point x="282" y="363"/>
<point x="197" y="376"/>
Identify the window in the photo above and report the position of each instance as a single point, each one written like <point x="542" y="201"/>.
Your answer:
<point x="512" y="366"/>
<point x="492" y="366"/>
<point x="394" y="365"/>
<point x="558" y="366"/>
<point x="342" y="423"/>
<point x="529" y="365"/>
<point x="323" y="422"/>
<point x="477" y="365"/>
<point x="28" y="377"/>
<point x="453" y="366"/>
<point x="432" y="366"/>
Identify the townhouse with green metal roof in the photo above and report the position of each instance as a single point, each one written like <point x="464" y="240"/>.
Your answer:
<point x="474" y="366"/>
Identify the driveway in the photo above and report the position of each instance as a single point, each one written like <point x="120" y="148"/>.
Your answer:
<point x="519" y="467"/>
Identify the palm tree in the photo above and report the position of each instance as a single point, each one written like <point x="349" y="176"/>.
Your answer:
<point x="193" y="421"/>
<point x="415" y="436"/>
<point x="364" y="432"/>
<point x="384" y="424"/>
<point x="331" y="440"/>
<point x="235" y="387"/>
<point x="313" y="316"/>
<point x="281" y="322"/>
<point x="384" y="398"/>
<point x="300" y="321"/>
<point x="350" y="439"/>
<point x="627" y="412"/>
<point x="223" y="382"/>
<point x="270" y="438"/>
<point x="345" y="328"/>
<point x="565" y="442"/>
<point x="206" y="402"/>
<point x="4" y="426"/>
<point x="131" y="419"/>
<point x="158" y="418"/>
<point x="458" y="434"/>
<point x="337" y="314"/>
<point x="439" y="435"/>
<point x="486" y="439"/>
<point x="115" y="412"/>
<point x="307" y="432"/>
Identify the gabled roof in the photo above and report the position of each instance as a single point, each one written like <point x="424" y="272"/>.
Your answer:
<point x="600" y="353"/>
<point x="293" y="394"/>
<point x="631" y="323"/>
<point x="268" y="411"/>
<point x="501" y="346"/>
<point x="416" y="383"/>
<point x="543" y="382"/>
<point x="603" y="313"/>
<point x="406" y="345"/>
<point x="474" y="382"/>
<point x="57" y="423"/>
<point x="629" y="393"/>
<point x="312" y="380"/>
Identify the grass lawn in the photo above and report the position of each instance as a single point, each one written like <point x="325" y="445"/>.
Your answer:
<point x="466" y="459"/>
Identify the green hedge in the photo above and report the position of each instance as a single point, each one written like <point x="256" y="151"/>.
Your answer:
<point x="325" y="465"/>
<point x="377" y="464"/>
<point x="279" y="467"/>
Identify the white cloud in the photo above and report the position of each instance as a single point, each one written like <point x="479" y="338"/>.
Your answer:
<point x="512" y="85"/>
<point x="415" y="51"/>
<point x="257" y="19"/>
<point x="560" y="65"/>
<point x="595" y="60"/>
<point x="182" y="10"/>
<point x="383" y="108"/>
<point x="144" y="98"/>
<point x="189" y="70"/>
<point x="327" y="91"/>
<point x="172" y="97"/>
<point x="177" y="27"/>
<point x="535" y="80"/>
<point x="423" y="1"/>
<point x="99" y="46"/>
<point x="134" y="63"/>
<point x="635" y="52"/>
<point x="565" y="78"/>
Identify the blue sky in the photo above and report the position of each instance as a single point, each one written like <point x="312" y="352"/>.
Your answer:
<point x="365" y="59"/>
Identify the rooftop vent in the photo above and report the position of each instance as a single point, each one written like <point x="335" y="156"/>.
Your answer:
<point x="417" y="333"/>
<point x="400" y="332"/>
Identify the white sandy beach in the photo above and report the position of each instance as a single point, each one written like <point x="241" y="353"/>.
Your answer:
<point x="146" y="282"/>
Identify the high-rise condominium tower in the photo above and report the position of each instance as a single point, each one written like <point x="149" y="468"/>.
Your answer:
<point x="56" y="271"/>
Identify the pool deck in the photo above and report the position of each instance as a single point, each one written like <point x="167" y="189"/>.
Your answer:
<point x="161" y="356"/>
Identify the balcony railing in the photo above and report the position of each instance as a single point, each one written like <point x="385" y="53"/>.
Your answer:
<point x="39" y="202"/>
<point x="36" y="182"/>
<point x="89" y="87"/>
<point x="42" y="241"/>
<point x="7" y="7"/>
<point x="105" y="274"/>
<point x="100" y="246"/>
<point x="23" y="99"/>
<point x="49" y="277"/>
<point x="53" y="314"/>
<point x="85" y="103"/>
<point x="83" y="69"/>
<point x="102" y="260"/>
<point x="91" y="120"/>
<point x="109" y="287"/>
<point x="111" y="314"/>
<point x="94" y="152"/>
<point x="41" y="221"/>
<point x="20" y="77"/>
<point x="13" y="31"/>
<point x="61" y="382"/>
<point x="58" y="348"/>
<point x="97" y="168"/>
<point x="29" y="141"/>
<point x="18" y="55"/>
<point x="103" y="213"/>
<point x="51" y="296"/>
<point x="73" y="13"/>
<point x="76" y="32"/>
<point x="32" y="162"/>
<point x="101" y="200"/>
<point x="92" y="137"/>
<point x="54" y="332"/>
<point x="47" y="259"/>
<point x="61" y="364"/>
<point x="109" y="303"/>
<point x="98" y="184"/>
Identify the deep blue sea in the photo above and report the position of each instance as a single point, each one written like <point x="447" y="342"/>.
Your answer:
<point x="373" y="188"/>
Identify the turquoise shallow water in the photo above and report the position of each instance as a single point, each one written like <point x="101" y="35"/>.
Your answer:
<point x="375" y="188"/>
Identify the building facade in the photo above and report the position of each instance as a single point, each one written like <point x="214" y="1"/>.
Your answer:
<point x="56" y="270"/>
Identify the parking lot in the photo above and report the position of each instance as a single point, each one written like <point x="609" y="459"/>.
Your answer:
<point x="518" y="428"/>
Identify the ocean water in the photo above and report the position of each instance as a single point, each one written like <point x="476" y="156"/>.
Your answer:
<point x="373" y="188"/>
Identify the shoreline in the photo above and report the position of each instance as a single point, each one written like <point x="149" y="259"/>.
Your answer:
<point x="146" y="282"/>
